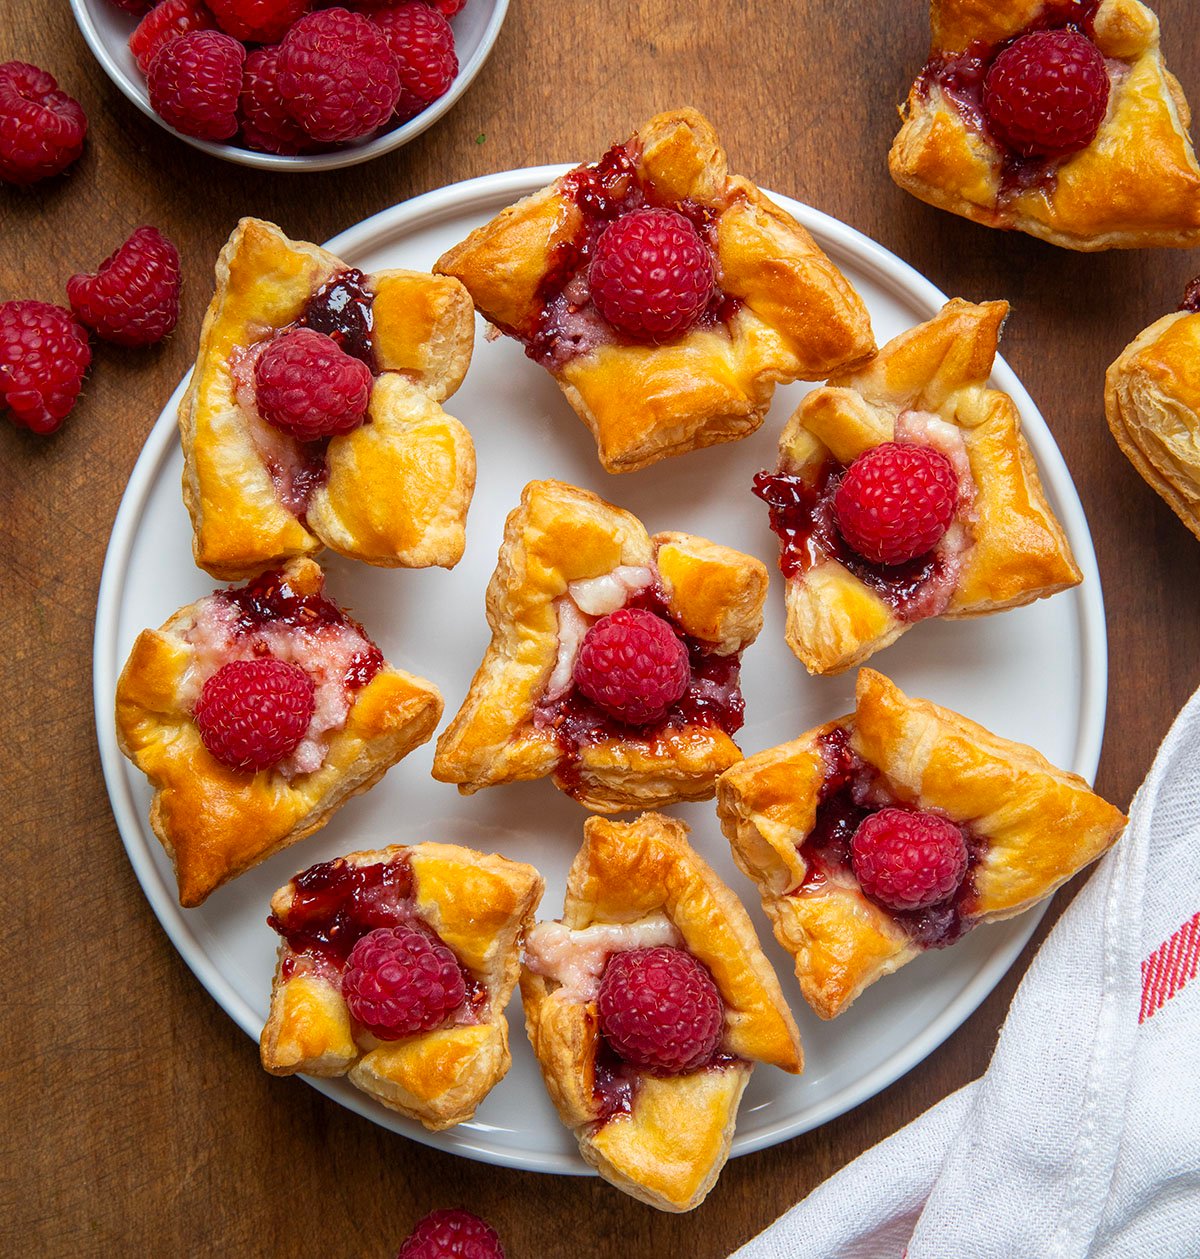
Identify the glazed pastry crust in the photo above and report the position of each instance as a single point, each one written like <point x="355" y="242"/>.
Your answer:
<point x="1152" y="399"/>
<point x="398" y="487"/>
<point x="1040" y="825"/>
<point x="669" y="1150"/>
<point x="799" y="317"/>
<point x="481" y="905"/>
<point x="560" y="534"/>
<point x="1136" y="185"/>
<point x="1019" y="552"/>
<point x="215" y="823"/>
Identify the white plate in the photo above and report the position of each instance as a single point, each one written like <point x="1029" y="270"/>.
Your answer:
<point x="1037" y="674"/>
<point x="107" y="28"/>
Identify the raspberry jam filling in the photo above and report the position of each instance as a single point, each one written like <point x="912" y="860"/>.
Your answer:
<point x="344" y="308"/>
<point x="568" y="324"/>
<point x="852" y="791"/>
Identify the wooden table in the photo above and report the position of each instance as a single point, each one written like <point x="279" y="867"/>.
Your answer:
<point x="136" y="1118"/>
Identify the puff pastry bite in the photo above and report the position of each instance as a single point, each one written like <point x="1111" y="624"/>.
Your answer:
<point x="663" y="371"/>
<point x="648" y="1005"/>
<point x="361" y="937"/>
<point x="1117" y="171"/>
<point x="922" y="405"/>
<point x="1152" y="398"/>
<point x="1007" y="828"/>
<point x="391" y="488"/>
<point x="337" y="717"/>
<point x="572" y="569"/>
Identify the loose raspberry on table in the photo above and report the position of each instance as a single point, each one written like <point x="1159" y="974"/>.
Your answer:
<point x="452" y="1234"/>
<point x="308" y="386"/>
<point x="338" y="77"/>
<point x="195" y="82"/>
<point x="165" y="22"/>
<point x="908" y="860"/>
<point x="896" y="501"/>
<point x="401" y="980"/>
<point x="44" y="354"/>
<point x="1046" y="94"/>
<point x="1191" y="297"/>
<point x="41" y="128"/>
<point x="423" y="44"/>
<point x="253" y="713"/>
<point x="660" y="1009"/>
<point x="257" y="21"/>
<point x="633" y="666"/>
<point x="134" y="297"/>
<point x="266" y="123"/>
<point x="651" y="275"/>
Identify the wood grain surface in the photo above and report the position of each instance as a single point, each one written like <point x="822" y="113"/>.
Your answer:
<point x="136" y="1119"/>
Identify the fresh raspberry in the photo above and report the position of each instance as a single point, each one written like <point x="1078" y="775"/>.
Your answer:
<point x="306" y="385"/>
<point x="660" y="1009"/>
<point x="338" y="76"/>
<point x="452" y="1234"/>
<point x="195" y="82"/>
<point x="165" y="22"/>
<point x="41" y="128"/>
<point x="402" y="980"/>
<point x="136" y="7"/>
<point x="134" y="298"/>
<point x="1191" y="297"/>
<point x="253" y="713"/>
<point x="895" y="502"/>
<point x="257" y="21"/>
<point x="651" y="275"/>
<point x="266" y="123"/>
<point x="448" y="8"/>
<point x="44" y="354"/>
<point x="908" y="860"/>
<point x="1046" y="94"/>
<point x="423" y="44"/>
<point x="633" y="665"/>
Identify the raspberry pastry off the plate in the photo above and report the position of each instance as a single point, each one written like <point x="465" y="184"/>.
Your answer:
<point x="664" y="295"/>
<point x="1054" y="117"/>
<point x="898" y="829"/>
<point x="312" y="418"/>
<point x="1152" y="397"/>
<point x="394" y="969"/>
<point x="648" y="1005"/>
<point x="614" y="660"/>
<point x="906" y="491"/>
<point x="256" y="713"/>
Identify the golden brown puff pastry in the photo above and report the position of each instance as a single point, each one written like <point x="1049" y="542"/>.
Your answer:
<point x="478" y="905"/>
<point x="1004" y="547"/>
<point x="1152" y="397"/>
<point x="393" y="491"/>
<point x="567" y="559"/>
<point x="789" y="813"/>
<point x="781" y="310"/>
<point x="1137" y="184"/>
<point x="661" y="1138"/>
<point x="216" y="822"/>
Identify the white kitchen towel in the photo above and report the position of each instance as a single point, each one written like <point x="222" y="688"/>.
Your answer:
<point x="1083" y="1137"/>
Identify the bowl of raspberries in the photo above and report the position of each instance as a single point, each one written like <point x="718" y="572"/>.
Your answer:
<point x="292" y="84"/>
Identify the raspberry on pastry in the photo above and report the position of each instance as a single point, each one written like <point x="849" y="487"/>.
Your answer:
<point x="44" y="356"/>
<point x="899" y="829"/>
<point x="41" y="128"/>
<point x="648" y="1005"/>
<point x="313" y="416"/>
<point x="614" y="664"/>
<point x="395" y="967"/>
<point x="666" y="296"/>
<point x="1059" y="120"/>
<point x="133" y="299"/>
<point x="905" y="490"/>
<point x="256" y="713"/>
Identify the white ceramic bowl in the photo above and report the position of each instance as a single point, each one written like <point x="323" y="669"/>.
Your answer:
<point x="107" y="29"/>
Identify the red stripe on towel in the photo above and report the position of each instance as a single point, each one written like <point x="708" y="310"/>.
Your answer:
<point x="1169" y="967"/>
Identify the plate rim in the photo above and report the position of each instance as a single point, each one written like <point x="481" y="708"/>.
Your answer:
<point x="836" y="237"/>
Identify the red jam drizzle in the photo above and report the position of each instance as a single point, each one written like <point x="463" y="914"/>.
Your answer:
<point x="296" y="484"/>
<point x="1191" y="297"/>
<point x="802" y="516"/>
<point x="851" y="792"/>
<point x="343" y="308"/>
<point x="270" y="600"/>
<point x="615" y="1081"/>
